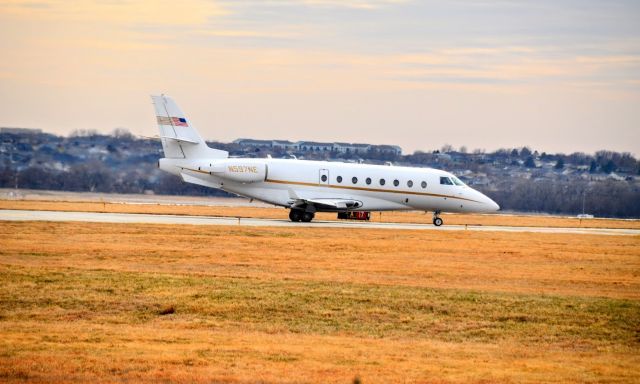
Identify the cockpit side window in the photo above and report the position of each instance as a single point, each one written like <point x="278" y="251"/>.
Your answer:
<point x="445" y="181"/>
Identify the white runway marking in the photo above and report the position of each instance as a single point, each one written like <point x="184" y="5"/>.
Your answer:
<point x="20" y="215"/>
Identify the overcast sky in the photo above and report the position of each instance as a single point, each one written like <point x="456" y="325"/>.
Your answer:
<point x="556" y="75"/>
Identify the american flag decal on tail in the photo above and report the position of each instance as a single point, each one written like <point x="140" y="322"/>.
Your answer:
<point x="175" y="121"/>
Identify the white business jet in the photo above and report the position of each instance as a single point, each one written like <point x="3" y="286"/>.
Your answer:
<point x="307" y="187"/>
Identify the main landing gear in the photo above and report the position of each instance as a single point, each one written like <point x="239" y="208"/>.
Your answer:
<point x="437" y="221"/>
<point x="300" y="215"/>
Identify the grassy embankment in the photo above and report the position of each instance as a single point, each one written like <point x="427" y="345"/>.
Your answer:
<point x="280" y="213"/>
<point x="108" y="302"/>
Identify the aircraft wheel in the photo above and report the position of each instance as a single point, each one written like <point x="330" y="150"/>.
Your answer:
<point x="437" y="221"/>
<point x="295" y="215"/>
<point x="307" y="217"/>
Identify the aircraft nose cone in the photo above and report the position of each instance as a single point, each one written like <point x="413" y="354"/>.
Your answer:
<point x="489" y="204"/>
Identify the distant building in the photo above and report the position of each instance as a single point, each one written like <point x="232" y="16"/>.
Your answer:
<point x="390" y="149"/>
<point x="615" y="176"/>
<point x="361" y="148"/>
<point x="342" y="147"/>
<point x="253" y="143"/>
<point x="443" y="156"/>
<point x="314" y="146"/>
<point x="351" y="148"/>
<point x="21" y="131"/>
<point x="284" y="144"/>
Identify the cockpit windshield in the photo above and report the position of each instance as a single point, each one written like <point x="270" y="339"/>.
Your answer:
<point x="451" y="181"/>
<point x="456" y="181"/>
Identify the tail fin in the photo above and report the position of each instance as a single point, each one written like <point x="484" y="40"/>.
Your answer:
<point x="179" y="138"/>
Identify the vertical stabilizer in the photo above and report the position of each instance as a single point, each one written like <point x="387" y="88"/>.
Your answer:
<point x="180" y="140"/>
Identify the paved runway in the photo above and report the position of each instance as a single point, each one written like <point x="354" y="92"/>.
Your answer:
<point x="20" y="215"/>
<point x="133" y="199"/>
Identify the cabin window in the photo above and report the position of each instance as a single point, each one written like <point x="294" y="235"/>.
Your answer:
<point x="445" y="181"/>
<point x="382" y="181"/>
<point x="339" y="179"/>
<point x="368" y="180"/>
<point x="409" y="183"/>
<point x="354" y="180"/>
<point x="396" y="182"/>
<point x="323" y="178"/>
<point x="424" y="184"/>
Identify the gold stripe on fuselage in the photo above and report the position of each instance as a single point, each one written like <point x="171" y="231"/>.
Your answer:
<point x="197" y="170"/>
<point x="367" y="189"/>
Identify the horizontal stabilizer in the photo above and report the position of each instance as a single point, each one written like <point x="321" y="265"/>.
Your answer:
<point x="156" y="137"/>
<point x="196" y="180"/>
<point x="180" y="139"/>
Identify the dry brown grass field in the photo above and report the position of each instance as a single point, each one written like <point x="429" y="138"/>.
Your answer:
<point x="89" y="302"/>
<point x="280" y="213"/>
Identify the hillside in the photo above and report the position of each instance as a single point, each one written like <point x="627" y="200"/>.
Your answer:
<point x="520" y="179"/>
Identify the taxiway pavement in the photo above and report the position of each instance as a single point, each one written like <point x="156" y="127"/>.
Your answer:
<point x="61" y="216"/>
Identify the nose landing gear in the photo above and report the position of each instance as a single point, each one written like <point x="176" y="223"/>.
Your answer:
<point x="437" y="221"/>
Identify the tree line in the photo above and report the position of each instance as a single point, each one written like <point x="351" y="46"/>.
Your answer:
<point x="121" y="163"/>
<point x="95" y="177"/>
<point x="605" y="198"/>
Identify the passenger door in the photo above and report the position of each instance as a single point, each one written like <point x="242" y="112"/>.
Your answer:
<point x="323" y="178"/>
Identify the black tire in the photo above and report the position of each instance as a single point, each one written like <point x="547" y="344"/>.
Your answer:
<point x="295" y="215"/>
<point x="437" y="222"/>
<point x="307" y="217"/>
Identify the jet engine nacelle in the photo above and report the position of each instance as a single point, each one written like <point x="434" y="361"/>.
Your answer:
<point x="240" y="171"/>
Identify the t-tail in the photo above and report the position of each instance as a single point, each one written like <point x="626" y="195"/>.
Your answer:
<point x="180" y="140"/>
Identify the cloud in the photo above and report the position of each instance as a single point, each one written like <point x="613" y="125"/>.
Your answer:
<point x="510" y="66"/>
<point x="356" y="4"/>
<point x="247" y="32"/>
<point x="123" y="12"/>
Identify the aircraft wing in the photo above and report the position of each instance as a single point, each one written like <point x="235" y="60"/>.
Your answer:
<point x="329" y="203"/>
